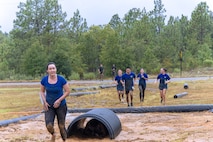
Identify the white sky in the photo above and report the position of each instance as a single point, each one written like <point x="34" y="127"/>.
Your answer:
<point x="99" y="12"/>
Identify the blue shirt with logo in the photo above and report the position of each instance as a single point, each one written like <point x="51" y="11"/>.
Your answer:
<point x="129" y="80"/>
<point x="54" y="91"/>
<point x="163" y="78"/>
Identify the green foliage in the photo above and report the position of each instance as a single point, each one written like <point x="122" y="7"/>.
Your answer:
<point x="204" y="53"/>
<point x="140" y="39"/>
<point x="208" y="63"/>
<point x="34" y="60"/>
<point x="89" y="76"/>
<point x="176" y="70"/>
<point x="21" y="77"/>
<point x="74" y="76"/>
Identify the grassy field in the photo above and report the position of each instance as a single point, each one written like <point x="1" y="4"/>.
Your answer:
<point x="19" y="101"/>
<point x="199" y="92"/>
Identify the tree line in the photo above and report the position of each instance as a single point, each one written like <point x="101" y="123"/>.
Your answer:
<point x="141" y="38"/>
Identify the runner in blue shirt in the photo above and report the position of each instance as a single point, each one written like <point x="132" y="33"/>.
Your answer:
<point x="54" y="90"/>
<point x="120" y="87"/>
<point x="163" y="79"/>
<point x="128" y="79"/>
<point x="142" y="77"/>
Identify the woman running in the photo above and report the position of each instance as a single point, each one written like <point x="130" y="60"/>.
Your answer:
<point x="142" y="77"/>
<point x="120" y="87"/>
<point x="164" y="79"/>
<point x="54" y="103"/>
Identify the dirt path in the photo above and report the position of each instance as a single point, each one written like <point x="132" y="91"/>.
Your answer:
<point x="159" y="127"/>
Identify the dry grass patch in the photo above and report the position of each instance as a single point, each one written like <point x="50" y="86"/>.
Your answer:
<point x="19" y="101"/>
<point x="199" y="92"/>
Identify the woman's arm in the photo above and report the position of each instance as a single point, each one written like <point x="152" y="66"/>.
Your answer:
<point x="42" y="93"/>
<point x="156" y="81"/>
<point x="138" y="77"/>
<point x="115" y="81"/>
<point x="168" y="79"/>
<point x="145" y="77"/>
<point x="66" y="93"/>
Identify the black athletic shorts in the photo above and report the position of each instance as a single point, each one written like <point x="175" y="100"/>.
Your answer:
<point x="163" y="86"/>
<point x="127" y="91"/>
<point x="120" y="88"/>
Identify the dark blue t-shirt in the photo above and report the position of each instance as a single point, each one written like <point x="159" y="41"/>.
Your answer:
<point x="129" y="80"/>
<point x="101" y="69"/>
<point x="142" y="81"/>
<point x="163" y="78"/>
<point x="118" y="79"/>
<point x="54" y="91"/>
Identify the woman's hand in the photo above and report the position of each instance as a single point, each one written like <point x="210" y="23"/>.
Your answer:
<point x="56" y="103"/>
<point x="45" y="106"/>
<point x="166" y="82"/>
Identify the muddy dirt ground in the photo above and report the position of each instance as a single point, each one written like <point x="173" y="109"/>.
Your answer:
<point x="143" y="127"/>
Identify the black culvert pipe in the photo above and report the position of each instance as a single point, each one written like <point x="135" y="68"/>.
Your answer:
<point x="83" y="93"/>
<point x="180" y="95"/>
<point x="177" y="108"/>
<point x="79" y="89"/>
<point x="15" y="120"/>
<point x="185" y="86"/>
<point x="106" y="124"/>
<point x="107" y="86"/>
<point x="85" y="88"/>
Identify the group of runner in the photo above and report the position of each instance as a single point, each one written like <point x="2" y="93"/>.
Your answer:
<point x="126" y="82"/>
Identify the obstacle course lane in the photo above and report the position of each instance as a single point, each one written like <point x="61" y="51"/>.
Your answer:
<point x="177" y="108"/>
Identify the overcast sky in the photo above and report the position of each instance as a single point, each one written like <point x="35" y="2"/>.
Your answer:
<point x="99" y="12"/>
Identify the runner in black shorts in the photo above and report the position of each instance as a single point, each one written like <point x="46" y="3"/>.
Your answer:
<point x="164" y="79"/>
<point x="120" y="87"/>
<point x="101" y="72"/>
<point x="113" y="71"/>
<point x="128" y="79"/>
